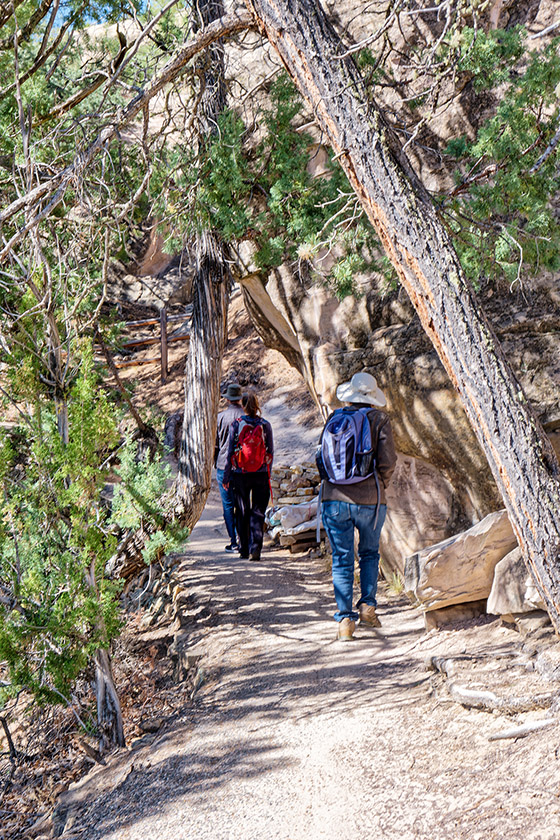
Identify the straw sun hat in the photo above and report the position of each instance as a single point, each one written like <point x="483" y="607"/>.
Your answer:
<point x="362" y="388"/>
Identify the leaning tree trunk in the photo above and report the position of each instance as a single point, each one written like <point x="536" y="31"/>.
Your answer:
<point x="209" y="317"/>
<point x="521" y="458"/>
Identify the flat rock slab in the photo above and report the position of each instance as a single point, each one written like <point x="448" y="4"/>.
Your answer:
<point x="461" y="568"/>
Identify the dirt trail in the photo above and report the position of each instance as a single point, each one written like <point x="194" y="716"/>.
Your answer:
<point x="292" y="734"/>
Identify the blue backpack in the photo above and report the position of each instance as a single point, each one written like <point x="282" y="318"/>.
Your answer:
<point x="345" y="454"/>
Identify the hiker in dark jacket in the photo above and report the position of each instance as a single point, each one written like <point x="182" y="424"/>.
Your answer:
<point x="361" y="505"/>
<point x="225" y="419"/>
<point x="249" y="458"/>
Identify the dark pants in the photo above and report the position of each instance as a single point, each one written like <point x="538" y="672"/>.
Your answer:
<point x="251" y="492"/>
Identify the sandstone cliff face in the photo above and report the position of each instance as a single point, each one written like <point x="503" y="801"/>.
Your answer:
<point x="442" y="483"/>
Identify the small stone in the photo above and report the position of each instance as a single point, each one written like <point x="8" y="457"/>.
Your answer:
<point x="147" y="620"/>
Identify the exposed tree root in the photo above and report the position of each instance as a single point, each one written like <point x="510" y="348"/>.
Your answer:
<point x="525" y="729"/>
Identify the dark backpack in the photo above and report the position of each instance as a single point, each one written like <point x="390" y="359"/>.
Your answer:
<point x="250" y="450"/>
<point x="345" y="454"/>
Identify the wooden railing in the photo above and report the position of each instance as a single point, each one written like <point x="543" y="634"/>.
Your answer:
<point x="163" y="340"/>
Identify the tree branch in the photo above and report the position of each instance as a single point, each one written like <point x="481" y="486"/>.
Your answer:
<point x="26" y="31"/>
<point x="91" y="88"/>
<point x="226" y="26"/>
<point x="144" y="428"/>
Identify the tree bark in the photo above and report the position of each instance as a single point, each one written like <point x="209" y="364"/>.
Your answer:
<point x="209" y="317"/>
<point x="109" y="715"/>
<point x="519" y="454"/>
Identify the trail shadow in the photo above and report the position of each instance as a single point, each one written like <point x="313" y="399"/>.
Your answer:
<point x="283" y="666"/>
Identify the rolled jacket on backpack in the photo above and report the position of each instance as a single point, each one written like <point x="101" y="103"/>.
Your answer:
<point x="365" y="492"/>
<point x="231" y="465"/>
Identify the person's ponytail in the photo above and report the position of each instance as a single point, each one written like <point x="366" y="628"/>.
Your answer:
<point x="250" y="405"/>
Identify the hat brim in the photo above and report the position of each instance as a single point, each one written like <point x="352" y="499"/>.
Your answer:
<point x="233" y="396"/>
<point x="347" y="393"/>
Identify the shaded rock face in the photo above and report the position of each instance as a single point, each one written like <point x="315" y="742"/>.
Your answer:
<point x="460" y="569"/>
<point x="421" y="511"/>
<point x="513" y="590"/>
<point x="380" y="332"/>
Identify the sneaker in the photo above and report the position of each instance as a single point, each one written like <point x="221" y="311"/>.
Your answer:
<point x="232" y="547"/>
<point x="346" y="629"/>
<point x="368" y="616"/>
<point x="255" y="556"/>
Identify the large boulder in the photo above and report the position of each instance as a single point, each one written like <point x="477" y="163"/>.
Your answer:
<point x="420" y="512"/>
<point x="513" y="589"/>
<point x="459" y="569"/>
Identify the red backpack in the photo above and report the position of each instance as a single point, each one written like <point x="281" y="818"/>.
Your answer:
<point x="250" y="451"/>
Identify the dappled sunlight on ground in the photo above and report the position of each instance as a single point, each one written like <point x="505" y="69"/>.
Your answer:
<point x="293" y="734"/>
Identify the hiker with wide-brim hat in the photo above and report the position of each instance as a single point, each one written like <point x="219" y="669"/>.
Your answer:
<point x="233" y="395"/>
<point x="356" y="458"/>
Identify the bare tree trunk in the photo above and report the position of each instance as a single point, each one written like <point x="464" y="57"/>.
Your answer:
<point x="209" y="318"/>
<point x="109" y="716"/>
<point x="521" y="458"/>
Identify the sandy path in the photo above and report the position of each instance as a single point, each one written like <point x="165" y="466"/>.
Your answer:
<point x="293" y="734"/>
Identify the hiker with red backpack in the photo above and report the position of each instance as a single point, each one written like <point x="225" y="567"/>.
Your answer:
<point x="234" y="410"/>
<point x="250" y="452"/>
<point x="356" y="458"/>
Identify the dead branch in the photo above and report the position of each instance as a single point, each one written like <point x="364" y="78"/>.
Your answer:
<point x="12" y="750"/>
<point x="7" y="10"/>
<point x="26" y="31"/>
<point x="487" y="701"/>
<point x="99" y="79"/>
<point x="54" y="189"/>
<point x="146" y="430"/>
<point x="548" y="151"/>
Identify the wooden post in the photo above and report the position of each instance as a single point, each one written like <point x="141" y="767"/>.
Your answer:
<point x="163" y="330"/>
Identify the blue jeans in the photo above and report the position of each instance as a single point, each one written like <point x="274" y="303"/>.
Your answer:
<point x="227" y="505"/>
<point x="340" y="519"/>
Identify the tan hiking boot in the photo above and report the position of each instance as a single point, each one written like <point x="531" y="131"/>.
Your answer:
<point x="368" y="616"/>
<point x="346" y="629"/>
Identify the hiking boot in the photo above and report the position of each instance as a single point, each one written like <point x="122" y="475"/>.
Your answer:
<point x="368" y="616"/>
<point x="232" y="547"/>
<point x="255" y="556"/>
<point x="346" y="629"/>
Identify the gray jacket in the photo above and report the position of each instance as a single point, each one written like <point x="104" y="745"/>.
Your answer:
<point x="225" y="419"/>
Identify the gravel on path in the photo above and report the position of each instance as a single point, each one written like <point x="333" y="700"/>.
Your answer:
<point x="292" y="734"/>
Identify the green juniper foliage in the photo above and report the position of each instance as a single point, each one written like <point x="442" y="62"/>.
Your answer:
<point x="57" y="605"/>
<point x="502" y="212"/>
<point x="265" y="192"/>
